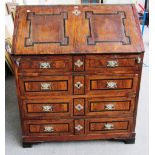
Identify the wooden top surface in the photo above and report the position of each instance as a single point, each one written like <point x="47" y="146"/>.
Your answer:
<point x="69" y="29"/>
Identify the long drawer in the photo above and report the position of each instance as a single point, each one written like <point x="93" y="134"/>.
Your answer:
<point x="75" y="107"/>
<point x="77" y="126"/>
<point x="104" y="106"/>
<point x="100" y="63"/>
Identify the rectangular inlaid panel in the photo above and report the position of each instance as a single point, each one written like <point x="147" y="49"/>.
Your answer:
<point x="46" y="108"/>
<point x="43" y="86"/>
<point x="113" y="106"/>
<point x="101" y="84"/>
<point x="105" y="125"/>
<point x="46" y="85"/>
<point x="111" y="85"/>
<point x="49" y="127"/>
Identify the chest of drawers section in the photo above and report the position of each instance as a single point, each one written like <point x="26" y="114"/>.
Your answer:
<point x="78" y="97"/>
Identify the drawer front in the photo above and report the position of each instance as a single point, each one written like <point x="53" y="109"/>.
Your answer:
<point x="113" y="63"/>
<point x="107" y="125"/>
<point x="48" y="127"/>
<point x="45" y="64"/>
<point x="47" y="108"/>
<point x="113" y="106"/>
<point x="46" y="85"/>
<point x="110" y="85"/>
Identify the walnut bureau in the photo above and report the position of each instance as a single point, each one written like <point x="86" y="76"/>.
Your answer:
<point x="78" y="71"/>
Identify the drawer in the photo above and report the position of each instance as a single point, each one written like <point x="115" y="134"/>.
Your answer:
<point x="107" y="125"/>
<point x="46" y="85"/>
<point x="113" y="63"/>
<point x="49" y="108"/>
<point x="48" y="127"/>
<point x="108" y="107"/>
<point x="109" y="85"/>
<point x="46" y="64"/>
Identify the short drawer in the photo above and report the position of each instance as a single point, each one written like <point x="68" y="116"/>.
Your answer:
<point x="113" y="63"/>
<point x="106" y="125"/>
<point x="108" y="107"/>
<point x="48" y="127"/>
<point x="46" y="85"/>
<point x="46" y="64"/>
<point x="49" y="108"/>
<point x="106" y="85"/>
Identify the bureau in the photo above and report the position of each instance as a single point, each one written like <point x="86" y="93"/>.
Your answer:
<point x="78" y="71"/>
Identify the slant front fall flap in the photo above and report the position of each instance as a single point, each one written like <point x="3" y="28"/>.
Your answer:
<point x="76" y="29"/>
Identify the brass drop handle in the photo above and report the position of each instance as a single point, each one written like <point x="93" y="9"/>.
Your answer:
<point x="48" y="129"/>
<point x="45" y="65"/>
<point x="79" y="127"/>
<point x="112" y="63"/>
<point x="45" y="86"/>
<point x="78" y="85"/>
<point x="79" y="107"/>
<point x="111" y="85"/>
<point x="47" y="108"/>
<point x="108" y="126"/>
<point x="109" y="107"/>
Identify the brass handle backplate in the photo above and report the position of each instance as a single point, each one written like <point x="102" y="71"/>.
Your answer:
<point x="45" y="86"/>
<point x="47" y="108"/>
<point x="109" y="107"/>
<point x="78" y="63"/>
<point x="78" y="85"/>
<point x="112" y="63"/>
<point x="111" y="85"/>
<point x="79" y="107"/>
<point x="48" y="129"/>
<point x="108" y="126"/>
<point x="45" y="65"/>
<point x="78" y="127"/>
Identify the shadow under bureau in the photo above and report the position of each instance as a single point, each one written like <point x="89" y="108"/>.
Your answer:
<point x="78" y="71"/>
